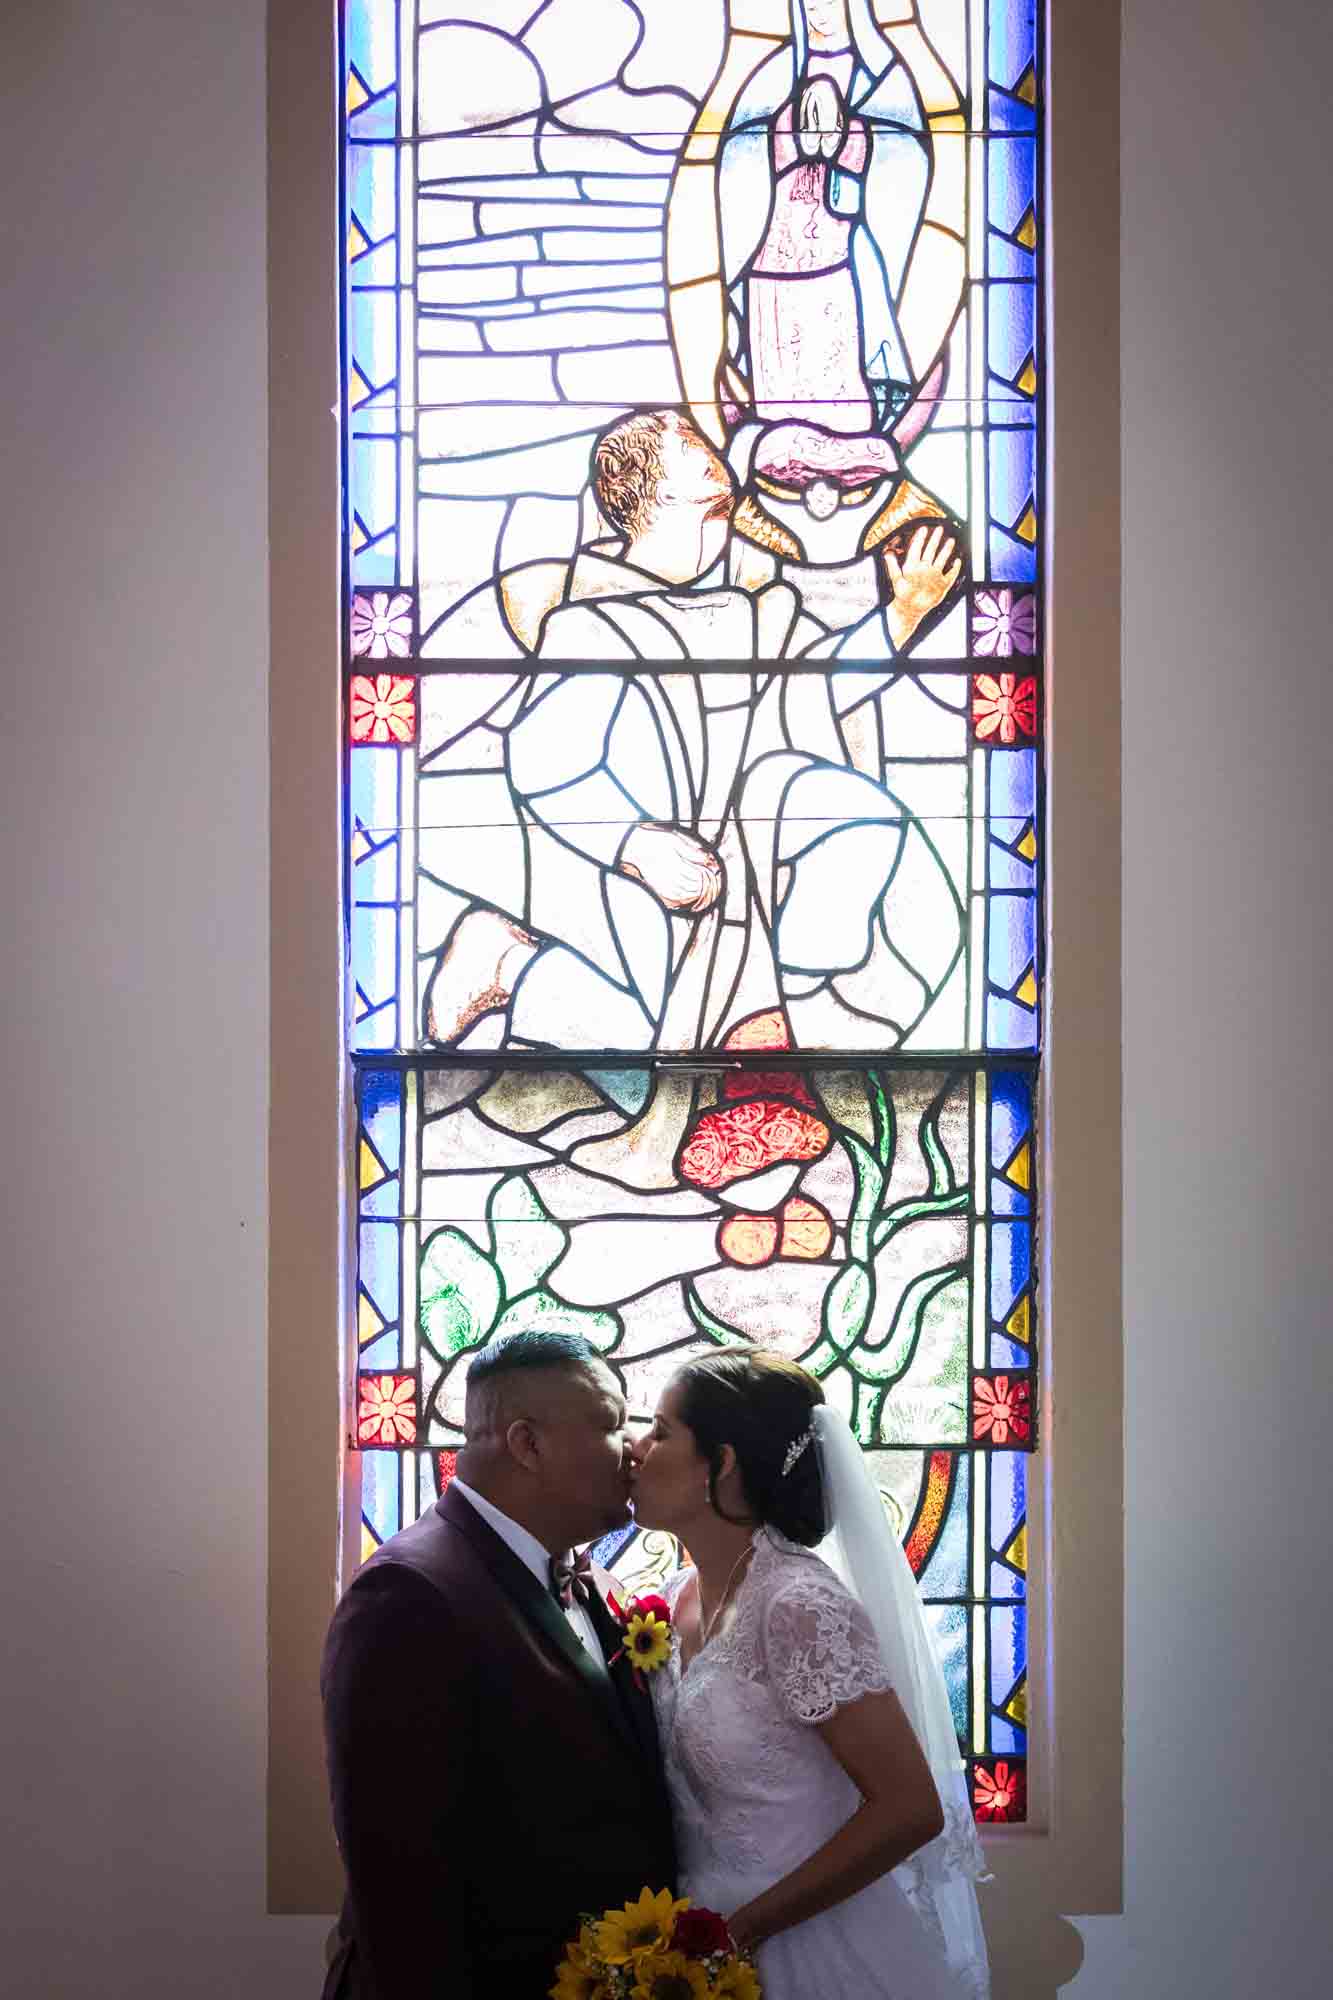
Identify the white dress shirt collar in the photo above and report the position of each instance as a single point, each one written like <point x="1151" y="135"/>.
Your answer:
<point x="525" y="1545"/>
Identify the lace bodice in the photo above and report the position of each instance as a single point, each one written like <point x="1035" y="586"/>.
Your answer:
<point x="750" y="1778"/>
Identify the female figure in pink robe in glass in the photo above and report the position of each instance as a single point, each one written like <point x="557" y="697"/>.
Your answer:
<point x="823" y="181"/>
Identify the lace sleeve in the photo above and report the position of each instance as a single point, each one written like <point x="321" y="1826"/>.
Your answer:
<point x="819" y="1648"/>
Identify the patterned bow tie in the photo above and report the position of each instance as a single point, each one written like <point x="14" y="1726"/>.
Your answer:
<point x="571" y="1577"/>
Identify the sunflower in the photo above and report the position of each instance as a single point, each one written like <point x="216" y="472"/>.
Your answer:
<point x="648" y="1640"/>
<point x="578" y="1980"/>
<point x="639" y="1928"/>
<point x="670" y="1976"/>
<point x="737" y="1981"/>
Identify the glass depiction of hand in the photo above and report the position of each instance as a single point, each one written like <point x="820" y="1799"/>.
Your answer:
<point x="682" y="872"/>
<point x="927" y="572"/>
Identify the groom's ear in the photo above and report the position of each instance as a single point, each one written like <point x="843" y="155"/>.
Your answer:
<point x="521" y="1443"/>
<point x="727" y="1462"/>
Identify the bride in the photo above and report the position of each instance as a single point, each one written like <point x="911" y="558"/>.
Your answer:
<point x="816" y="1786"/>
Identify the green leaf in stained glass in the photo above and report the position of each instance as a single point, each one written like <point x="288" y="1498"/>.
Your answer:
<point x="460" y="1293"/>
<point x="524" y="1240"/>
<point x="539" y="1311"/>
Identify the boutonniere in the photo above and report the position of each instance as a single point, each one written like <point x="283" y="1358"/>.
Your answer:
<point x="646" y="1632"/>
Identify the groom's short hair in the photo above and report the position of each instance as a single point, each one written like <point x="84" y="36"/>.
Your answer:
<point x="500" y="1369"/>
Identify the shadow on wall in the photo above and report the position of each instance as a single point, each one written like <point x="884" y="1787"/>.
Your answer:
<point x="1030" y="1960"/>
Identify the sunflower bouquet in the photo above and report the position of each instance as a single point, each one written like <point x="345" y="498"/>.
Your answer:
<point x="656" y="1949"/>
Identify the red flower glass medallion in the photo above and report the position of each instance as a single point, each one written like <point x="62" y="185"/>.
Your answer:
<point x="386" y="1411"/>
<point x="1002" y="1409"/>
<point x="383" y="708"/>
<point x="1004" y="708"/>
<point x="999" y="1789"/>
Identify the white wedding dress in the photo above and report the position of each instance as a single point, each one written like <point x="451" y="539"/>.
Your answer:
<point x="755" y="1790"/>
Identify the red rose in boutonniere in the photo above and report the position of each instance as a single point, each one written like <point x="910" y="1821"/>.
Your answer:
<point x="645" y="1623"/>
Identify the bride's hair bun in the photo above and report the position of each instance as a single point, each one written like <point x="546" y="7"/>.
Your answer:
<point x="760" y="1404"/>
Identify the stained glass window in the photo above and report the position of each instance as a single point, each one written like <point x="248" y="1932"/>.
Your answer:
<point x="693" y="407"/>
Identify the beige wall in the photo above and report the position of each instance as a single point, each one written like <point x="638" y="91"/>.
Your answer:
<point x="134" y="1706"/>
<point x="134" y="723"/>
<point x="1228" y="945"/>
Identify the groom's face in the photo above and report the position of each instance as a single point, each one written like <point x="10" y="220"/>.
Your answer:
<point x="585" y="1452"/>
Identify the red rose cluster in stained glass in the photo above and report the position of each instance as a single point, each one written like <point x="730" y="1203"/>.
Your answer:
<point x="746" y="1138"/>
<point x="386" y="1411"/>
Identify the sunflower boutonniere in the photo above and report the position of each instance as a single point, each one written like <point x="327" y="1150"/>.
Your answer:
<point x="647" y="1633"/>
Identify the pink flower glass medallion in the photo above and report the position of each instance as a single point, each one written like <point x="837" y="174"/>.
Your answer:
<point x="1003" y="622"/>
<point x="381" y="625"/>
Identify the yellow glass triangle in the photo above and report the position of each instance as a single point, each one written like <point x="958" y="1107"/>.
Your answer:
<point x="1027" y="527"/>
<point x="357" y="243"/>
<point x="1026" y="232"/>
<point x="1019" y="1169"/>
<point x="1018" y="1326"/>
<point x="1027" y="380"/>
<point x="372" y="1168"/>
<point x="1027" y="843"/>
<point x="369" y="1543"/>
<point x="369" y="1325"/>
<point x="1026" y="87"/>
<point x="362" y="1006"/>
<point x="357" y="94"/>
<point x="1017" y="1551"/>
<point x="361" y="391"/>
<point x="1026" y="990"/>
<point x="1016" y="1708"/>
<point x="359" y="538"/>
<point x="360" y="846"/>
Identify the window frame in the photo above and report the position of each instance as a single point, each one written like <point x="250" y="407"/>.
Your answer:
<point x="1068" y="1858"/>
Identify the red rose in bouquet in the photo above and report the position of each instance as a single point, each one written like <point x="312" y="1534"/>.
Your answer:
<point x="657" y="1948"/>
<point x="699" y="1933"/>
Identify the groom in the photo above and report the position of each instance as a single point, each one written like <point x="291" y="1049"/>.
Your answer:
<point x="492" y="1775"/>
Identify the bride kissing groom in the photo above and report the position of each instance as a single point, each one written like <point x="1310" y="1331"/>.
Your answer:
<point x="500" y="1767"/>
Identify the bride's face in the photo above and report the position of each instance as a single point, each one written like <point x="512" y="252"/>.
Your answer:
<point x="670" y="1472"/>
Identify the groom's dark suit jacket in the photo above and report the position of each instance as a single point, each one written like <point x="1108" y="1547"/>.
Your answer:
<point x="489" y="1782"/>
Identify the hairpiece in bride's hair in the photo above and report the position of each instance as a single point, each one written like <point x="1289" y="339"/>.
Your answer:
<point x="795" y="1448"/>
